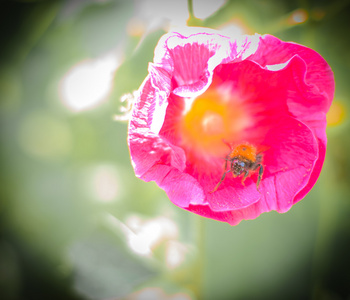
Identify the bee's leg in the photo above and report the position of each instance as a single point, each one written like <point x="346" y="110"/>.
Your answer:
<point x="261" y="171"/>
<point x="223" y="175"/>
<point x="221" y="180"/>
<point x="226" y="159"/>
<point x="246" y="173"/>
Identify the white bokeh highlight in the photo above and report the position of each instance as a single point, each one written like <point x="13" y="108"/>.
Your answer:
<point x="88" y="83"/>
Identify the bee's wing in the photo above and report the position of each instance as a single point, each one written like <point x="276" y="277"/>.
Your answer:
<point x="262" y="148"/>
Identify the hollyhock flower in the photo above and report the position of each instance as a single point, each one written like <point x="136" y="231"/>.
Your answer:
<point x="207" y="94"/>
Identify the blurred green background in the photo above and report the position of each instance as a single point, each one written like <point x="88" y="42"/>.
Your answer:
<point x="75" y="223"/>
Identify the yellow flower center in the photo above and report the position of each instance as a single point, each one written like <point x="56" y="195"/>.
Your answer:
<point x="211" y="118"/>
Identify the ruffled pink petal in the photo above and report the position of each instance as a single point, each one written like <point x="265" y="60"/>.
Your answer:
<point x="187" y="58"/>
<point x="290" y="161"/>
<point x="146" y="147"/>
<point x="191" y="59"/>
<point x="181" y="188"/>
<point x="318" y="76"/>
<point x="321" y="137"/>
<point x="314" y="80"/>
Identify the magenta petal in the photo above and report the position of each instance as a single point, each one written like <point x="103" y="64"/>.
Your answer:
<point x="191" y="59"/>
<point x="290" y="168"/>
<point x="278" y="93"/>
<point x="291" y="161"/>
<point x="147" y="148"/>
<point x="322" y="143"/>
<point x="187" y="58"/>
<point x="272" y="51"/>
<point x="180" y="187"/>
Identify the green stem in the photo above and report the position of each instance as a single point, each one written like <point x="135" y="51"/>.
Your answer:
<point x="190" y="8"/>
<point x="199" y="266"/>
<point x="192" y="20"/>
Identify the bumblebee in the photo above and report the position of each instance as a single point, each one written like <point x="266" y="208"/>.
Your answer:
<point x="243" y="159"/>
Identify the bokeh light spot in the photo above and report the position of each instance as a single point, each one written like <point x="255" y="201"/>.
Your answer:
<point x="336" y="114"/>
<point x="298" y="16"/>
<point x="149" y="233"/>
<point x="318" y="13"/>
<point x="103" y="183"/>
<point x="136" y="27"/>
<point x="88" y="83"/>
<point x="233" y="29"/>
<point x="156" y="294"/>
<point x="172" y="12"/>
<point x="175" y="254"/>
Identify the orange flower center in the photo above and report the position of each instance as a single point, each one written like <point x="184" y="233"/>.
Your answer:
<point x="214" y="116"/>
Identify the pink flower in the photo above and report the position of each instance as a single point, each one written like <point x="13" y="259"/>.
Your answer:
<point x="205" y="95"/>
